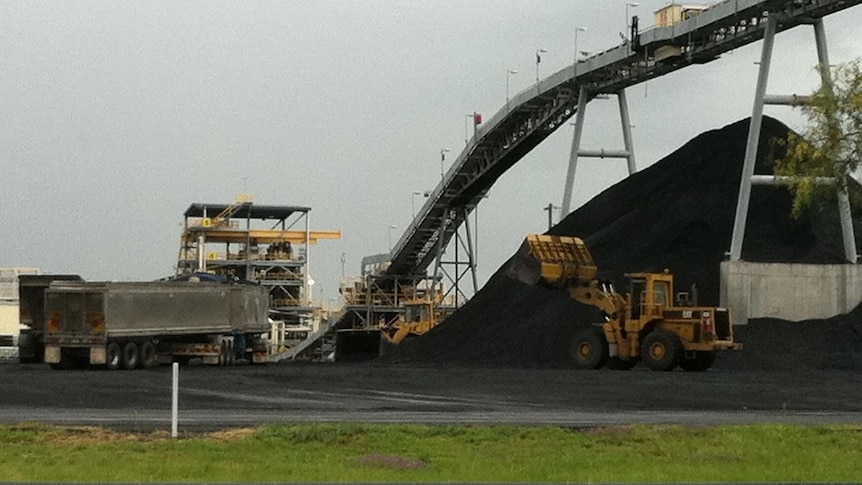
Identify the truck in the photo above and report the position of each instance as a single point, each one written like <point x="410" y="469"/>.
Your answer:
<point x="647" y="324"/>
<point x="129" y="325"/>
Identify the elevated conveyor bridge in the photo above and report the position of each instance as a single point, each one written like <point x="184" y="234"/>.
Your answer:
<point x="533" y="114"/>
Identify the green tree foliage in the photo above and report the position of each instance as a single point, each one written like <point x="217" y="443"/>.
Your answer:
<point x="831" y="145"/>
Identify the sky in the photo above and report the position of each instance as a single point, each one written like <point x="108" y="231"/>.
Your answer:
<point x="115" y="116"/>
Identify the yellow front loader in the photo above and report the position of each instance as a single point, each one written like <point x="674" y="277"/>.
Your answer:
<point x="646" y="324"/>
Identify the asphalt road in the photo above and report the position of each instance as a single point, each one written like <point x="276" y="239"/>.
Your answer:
<point x="213" y="398"/>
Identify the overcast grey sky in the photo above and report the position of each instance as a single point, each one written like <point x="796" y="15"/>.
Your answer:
<point x="116" y="115"/>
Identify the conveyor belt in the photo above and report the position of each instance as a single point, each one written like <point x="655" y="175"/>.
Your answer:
<point x="533" y="114"/>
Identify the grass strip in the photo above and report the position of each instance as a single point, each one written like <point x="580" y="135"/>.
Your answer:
<point x="420" y="453"/>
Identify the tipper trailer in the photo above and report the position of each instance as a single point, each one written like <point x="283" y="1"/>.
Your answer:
<point x="138" y="325"/>
<point x="31" y="303"/>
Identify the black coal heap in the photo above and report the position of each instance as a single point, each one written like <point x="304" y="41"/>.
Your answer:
<point x="678" y="214"/>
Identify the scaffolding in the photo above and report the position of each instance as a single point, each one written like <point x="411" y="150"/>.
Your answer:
<point x="266" y="245"/>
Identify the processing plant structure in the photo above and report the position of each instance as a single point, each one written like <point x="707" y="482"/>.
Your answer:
<point x="267" y="245"/>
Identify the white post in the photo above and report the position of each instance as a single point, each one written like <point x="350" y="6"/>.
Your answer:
<point x="175" y="399"/>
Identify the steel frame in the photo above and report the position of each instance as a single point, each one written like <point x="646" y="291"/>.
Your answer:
<point x="627" y="153"/>
<point x="761" y="99"/>
<point x="536" y="112"/>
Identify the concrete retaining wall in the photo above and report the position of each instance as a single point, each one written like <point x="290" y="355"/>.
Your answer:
<point x="789" y="291"/>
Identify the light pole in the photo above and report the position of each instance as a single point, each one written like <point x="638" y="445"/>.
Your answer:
<point x="343" y="260"/>
<point x="391" y="227"/>
<point x="443" y="152"/>
<point x="551" y="208"/>
<point x="509" y="73"/>
<point x="539" y="53"/>
<point x="413" y="202"/>
<point x="577" y="29"/>
<point x="628" y="19"/>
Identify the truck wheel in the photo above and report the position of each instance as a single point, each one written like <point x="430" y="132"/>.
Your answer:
<point x="148" y="356"/>
<point x="589" y="349"/>
<point x="114" y="355"/>
<point x="661" y="350"/>
<point x="130" y="356"/>
<point x="615" y="363"/>
<point x="702" y="361"/>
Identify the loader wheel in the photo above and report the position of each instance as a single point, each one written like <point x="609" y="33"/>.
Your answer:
<point x="148" y="357"/>
<point x="130" y="356"/>
<point x="114" y="356"/>
<point x="702" y="361"/>
<point x="661" y="350"/>
<point x="615" y="363"/>
<point x="589" y="349"/>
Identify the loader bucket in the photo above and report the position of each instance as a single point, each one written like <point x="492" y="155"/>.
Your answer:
<point x="552" y="260"/>
<point x="524" y="266"/>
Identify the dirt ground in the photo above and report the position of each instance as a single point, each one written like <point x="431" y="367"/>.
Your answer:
<point x="246" y="395"/>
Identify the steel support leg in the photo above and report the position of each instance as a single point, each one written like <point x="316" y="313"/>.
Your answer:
<point x="753" y="140"/>
<point x="576" y="151"/>
<point x="573" y="155"/>
<point x="850" y="251"/>
<point x="438" y="261"/>
<point x="627" y="131"/>
<point x="454" y="274"/>
<point x="844" y="214"/>
<point x="471" y="259"/>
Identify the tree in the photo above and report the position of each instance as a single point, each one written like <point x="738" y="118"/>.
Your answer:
<point x="831" y="145"/>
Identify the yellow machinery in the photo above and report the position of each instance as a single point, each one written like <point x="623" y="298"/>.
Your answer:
<point x="419" y="317"/>
<point x="645" y="324"/>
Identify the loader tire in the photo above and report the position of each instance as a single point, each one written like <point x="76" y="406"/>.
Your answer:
<point x="130" y="356"/>
<point x="702" y="361"/>
<point x="589" y="349"/>
<point x="661" y="350"/>
<point x="148" y="357"/>
<point x="114" y="356"/>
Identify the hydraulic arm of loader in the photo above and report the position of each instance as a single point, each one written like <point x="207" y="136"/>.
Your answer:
<point x="565" y="262"/>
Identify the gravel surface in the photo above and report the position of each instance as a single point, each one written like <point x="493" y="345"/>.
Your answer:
<point x="212" y="397"/>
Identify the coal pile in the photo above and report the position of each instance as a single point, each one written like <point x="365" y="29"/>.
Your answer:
<point x="678" y="214"/>
<point x="772" y="344"/>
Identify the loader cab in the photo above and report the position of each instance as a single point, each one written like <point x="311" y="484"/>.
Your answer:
<point x="418" y="311"/>
<point x="649" y="294"/>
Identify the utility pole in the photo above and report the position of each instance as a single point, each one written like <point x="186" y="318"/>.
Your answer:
<point x="550" y="208"/>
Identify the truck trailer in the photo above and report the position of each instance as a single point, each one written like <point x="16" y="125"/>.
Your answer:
<point x="31" y="306"/>
<point x="128" y="325"/>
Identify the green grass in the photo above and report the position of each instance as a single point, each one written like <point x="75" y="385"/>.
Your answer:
<point x="416" y="453"/>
